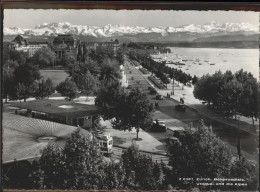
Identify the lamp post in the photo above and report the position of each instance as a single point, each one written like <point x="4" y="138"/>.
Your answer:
<point x="173" y="84"/>
<point x="238" y="138"/>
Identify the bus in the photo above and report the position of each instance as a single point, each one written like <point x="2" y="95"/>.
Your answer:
<point x="105" y="142"/>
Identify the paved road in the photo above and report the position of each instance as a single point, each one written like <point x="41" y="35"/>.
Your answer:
<point x="166" y="106"/>
<point x="117" y="152"/>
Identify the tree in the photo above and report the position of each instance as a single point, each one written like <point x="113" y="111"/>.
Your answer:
<point x="78" y="166"/>
<point x="68" y="89"/>
<point x="143" y="173"/>
<point x="198" y="153"/>
<point x="87" y="83"/>
<point x="68" y="60"/>
<point x="20" y="90"/>
<point x="245" y="169"/>
<point x="201" y="89"/>
<point x="25" y="77"/>
<point x="108" y="94"/>
<point x="44" y="89"/>
<point x="248" y="101"/>
<point x="115" y="177"/>
<point x="110" y="72"/>
<point x="92" y="66"/>
<point x="44" y="57"/>
<point x="8" y="79"/>
<point x="132" y="110"/>
<point x="230" y="95"/>
<point x="16" y="175"/>
<point x="194" y="79"/>
<point x="12" y="55"/>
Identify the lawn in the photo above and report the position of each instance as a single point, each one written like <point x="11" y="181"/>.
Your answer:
<point x="56" y="76"/>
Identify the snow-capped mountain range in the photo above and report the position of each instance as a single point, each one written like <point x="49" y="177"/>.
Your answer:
<point x="51" y="29"/>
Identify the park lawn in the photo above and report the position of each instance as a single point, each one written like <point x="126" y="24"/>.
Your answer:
<point x="57" y="76"/>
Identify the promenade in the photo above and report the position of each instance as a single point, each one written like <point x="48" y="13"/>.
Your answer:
<point x="186" y="92"/>
<point x="225" y="127"/>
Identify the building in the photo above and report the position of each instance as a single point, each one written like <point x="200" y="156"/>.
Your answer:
<point x="24" y="138"/>
<point x="28" y="46"/>
<point x="64" y="44"/>
<point x="19" y="41"/>
<point x="35" y="45"/>
<point x="60" y="111"/>
<point x="110" y="46"/>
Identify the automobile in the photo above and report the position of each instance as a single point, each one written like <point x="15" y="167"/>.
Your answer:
<point x="158" y="126"/>
<point x="153" y="91"/>
<point x="150" y="88"/>
<point x="159" y="97"/>
<point x="171" y="141"/>
<point x="178" y="133"/>
<point x="180" y="107"/>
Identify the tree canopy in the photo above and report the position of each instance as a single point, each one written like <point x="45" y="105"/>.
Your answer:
<point x="81" y="166"/>
<point x="25" y="76"/>
<point x="109" y="72"/>
<point x="132" y="110"/>
<point x="198" y="153"/>
<point x="68" y="89"/>
<point x="44" y="57"/>
<point x="229" y="93"/>
<point x="44" y="89"/>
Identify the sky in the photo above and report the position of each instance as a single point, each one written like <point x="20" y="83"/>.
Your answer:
<point x="29" y="18"/>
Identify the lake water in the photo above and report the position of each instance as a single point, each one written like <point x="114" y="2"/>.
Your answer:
<point x="223" y="59"/>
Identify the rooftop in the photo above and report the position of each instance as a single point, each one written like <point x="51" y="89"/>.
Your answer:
<point x="24" y="138"/>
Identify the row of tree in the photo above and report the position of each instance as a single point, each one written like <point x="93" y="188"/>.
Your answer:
<point x="80" y="165"/>
<point x="160" y="69"/>
<point x="230" y="93"/>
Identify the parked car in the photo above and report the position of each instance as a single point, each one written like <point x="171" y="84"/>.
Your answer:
<point x="178" y="133"/>
<point x="153" y="91"/>
<point x="159" y="97"/>
<point x="171" y="141"/>
<point x="158" y="126"/>
<point x="180" y="107"/>
<point x="150" y="88"/>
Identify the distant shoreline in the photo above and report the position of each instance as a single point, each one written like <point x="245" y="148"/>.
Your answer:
<point x="220" y="45"/>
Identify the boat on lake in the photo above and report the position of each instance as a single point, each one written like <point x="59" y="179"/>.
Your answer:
<point x="178" y="63"/>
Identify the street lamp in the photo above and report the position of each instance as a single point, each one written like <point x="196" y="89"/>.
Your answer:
<point x="238" y="138"/>
<point x="173" y="84"/>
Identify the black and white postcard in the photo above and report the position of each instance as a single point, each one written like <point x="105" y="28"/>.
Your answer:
<point x="130" y="99"/>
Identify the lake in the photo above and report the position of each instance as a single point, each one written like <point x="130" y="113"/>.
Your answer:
<point x="214" y="59"/>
